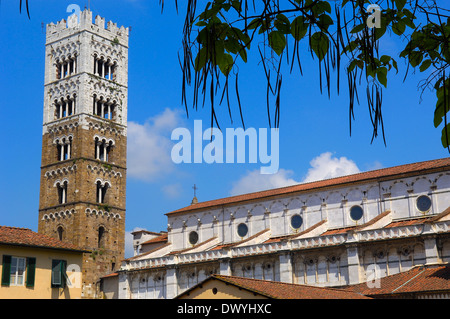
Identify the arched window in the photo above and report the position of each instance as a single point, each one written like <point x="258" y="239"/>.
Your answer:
<point x="103" y="149"/>
<point x="64" y="149"/>
<point x="101" y="192"/>
<point x="60" y="232"/>
<point x="65" y="107"/>
<point x="62" y="192"/>
<point x="101" y="233"/>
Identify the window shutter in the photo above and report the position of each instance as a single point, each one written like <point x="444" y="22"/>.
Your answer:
<point x="56" y="273"/>
<point x="64" y="278"/>
<point x="6" y="270"/>
<point x="31" y="271"/>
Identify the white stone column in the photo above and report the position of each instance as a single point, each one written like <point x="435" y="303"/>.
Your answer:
<point x="431" y="250"/>
<point x="100" y="189"/>
<point x="98" y="150"/>
<point x="123" y="286"/>
<point x="61" y="157"/>
<point x="225" y="267"/>
<point x="95" y="66"/>
<point x="286" y="267"/>
<point x="63" y="199"/>
<point x="171" y="283"/>
<point x="68" y="151"/>
<point x="104" y="151"/>
<point x="353" y="265"/>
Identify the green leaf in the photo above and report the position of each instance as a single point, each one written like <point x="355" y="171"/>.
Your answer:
<point x="320" y="44"/>
<point x="200" y="60"/>
<point x="415" y="58"/>
<point x="283" y="24"/>
<point x="445" y="137"/>
<point x="425" y="65"/>
<point x="382" y="76"/>
<point x="358" y="28"/>
<point x="277" y="41"/>
<point x="299" y="28"/>
<point x="226" y="64"/>
<point x="385" y="59"/>
<point x="243" y="54"/>
<point x="400" y="4"/>
<point x="255" y="23"/>
<point x="399" y="27"/>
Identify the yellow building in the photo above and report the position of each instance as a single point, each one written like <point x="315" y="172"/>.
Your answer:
<point x="35" y="266"/>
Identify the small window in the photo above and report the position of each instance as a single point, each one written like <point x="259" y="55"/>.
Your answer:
<point x="60" y="232"/>
<point x="296" y="221"/>
<point x="193" y="237"/>
<point x="423" y="203"/>
<point x="101" y="232"/>
<point x="59" y="275"/>
<point x="17" y="271"/>
<point x="242" y="230"/>
<point x="356" y="213"/>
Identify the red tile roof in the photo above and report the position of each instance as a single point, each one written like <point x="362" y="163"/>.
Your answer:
<point x="421" y="279"/>
<point x="159" y="239"/>
<point x="281" y="290"/>
<point x="26" y="237"/>
<point x="408" y="222"/>
<point x="381" y="174"/>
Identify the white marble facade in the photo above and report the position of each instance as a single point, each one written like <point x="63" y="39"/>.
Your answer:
<point x="304" y="235"/>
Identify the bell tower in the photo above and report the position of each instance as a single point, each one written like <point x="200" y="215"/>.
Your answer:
<point x="84" y="141"/>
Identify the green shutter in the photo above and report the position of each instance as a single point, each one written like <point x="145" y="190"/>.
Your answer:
<point x="56" y="273"/>
<point x="59" y="276"/>
<point x="31" y="271"/>
<point x="6" y="270"/>
<point x="63" y="273"/>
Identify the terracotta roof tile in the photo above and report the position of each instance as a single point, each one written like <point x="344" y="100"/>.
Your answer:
<point x="381" y="174"/>
<point x="159" y="239"/>
<point x="419" y="279"/>
<point x="281" y="290"/>
<point x="27" y="237"/>
<point x="408" y="222"/>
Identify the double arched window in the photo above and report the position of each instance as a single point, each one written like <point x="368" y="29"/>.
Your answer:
<point x="61" y="187"/>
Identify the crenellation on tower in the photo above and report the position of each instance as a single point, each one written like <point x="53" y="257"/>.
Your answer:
<point x="84" y="22"/>
<point x="84" y="143"/>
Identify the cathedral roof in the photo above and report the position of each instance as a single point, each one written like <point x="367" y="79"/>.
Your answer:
<point x="375" y="175"/>
<point x="26" y="237"/>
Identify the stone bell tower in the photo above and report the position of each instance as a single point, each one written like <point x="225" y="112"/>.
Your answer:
<point x="84" y="142"/>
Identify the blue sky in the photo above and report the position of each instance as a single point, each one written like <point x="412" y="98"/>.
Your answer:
<point x="314" y="130"/>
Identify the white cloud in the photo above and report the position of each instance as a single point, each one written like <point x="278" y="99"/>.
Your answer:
<point x="149" y="146"/>
<point x="172" y="190"/>
<point x="323" y="166"/>
<point x="254" y="181"/>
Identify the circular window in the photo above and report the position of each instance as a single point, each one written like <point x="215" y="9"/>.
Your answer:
<point x="356" y="212"/>
<point x="423" y="203"/>
<point x="214" y="291"/>
<point x="242" y="230"/>
<point x="296" y="221"/>
<point x="193" y="237"/>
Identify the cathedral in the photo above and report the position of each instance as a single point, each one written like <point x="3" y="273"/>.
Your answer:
<point x="329" y="233"/>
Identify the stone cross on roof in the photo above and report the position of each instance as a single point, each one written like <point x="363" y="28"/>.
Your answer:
<point x="194" y="200"/>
